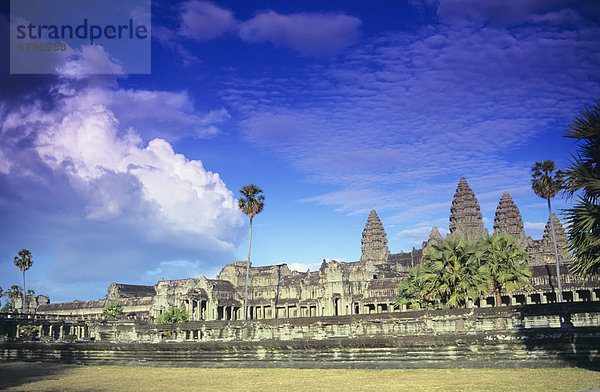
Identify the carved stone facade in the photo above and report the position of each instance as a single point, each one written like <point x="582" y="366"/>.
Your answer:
<point x="341" y="288"/>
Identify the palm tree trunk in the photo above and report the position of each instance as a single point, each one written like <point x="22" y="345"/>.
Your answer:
<point x="247" y="274"/>
<point x="24" y="294"/>
<point x="498" y="297"/>
<point x="559" y="294"/>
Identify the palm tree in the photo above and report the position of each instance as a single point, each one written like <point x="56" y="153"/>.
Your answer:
<point x="414" y="291"/>
<point x="453" y="272"/>
<point x="546" y="182"/>
<point x="583" y="177"/>
<point x="506" y="265"/>
<point x="23" y="262"/>
<point x="251" y="204"/>
<point x="13" y="293"/>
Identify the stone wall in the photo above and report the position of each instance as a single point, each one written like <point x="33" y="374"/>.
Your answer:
<point x="516" y="336"/>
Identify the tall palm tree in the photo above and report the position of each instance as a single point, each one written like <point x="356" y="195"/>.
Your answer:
<point x="251" y="204"/>
<point x="582" y="177"/>
<point x="23" y="262"/>
<point x="546" y="182"/>
<point x="506" y="265"/>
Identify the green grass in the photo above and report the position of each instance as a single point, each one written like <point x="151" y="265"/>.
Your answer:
<point x="21" y="376"/>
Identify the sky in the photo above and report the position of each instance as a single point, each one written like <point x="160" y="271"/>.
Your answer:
<point x="332" y="108"/>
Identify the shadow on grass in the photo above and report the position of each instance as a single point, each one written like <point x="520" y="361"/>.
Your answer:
<point x="18" y="373"/>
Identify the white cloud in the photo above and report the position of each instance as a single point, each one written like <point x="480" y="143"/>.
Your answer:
<point x="104" y="203"/>
<point x="303" y="267"/>
<point x="312" y="34"/>
<point x="416" y="236"/>
<point x="89" y="59"/>
<point x="534" y="230"/>
<point x="165" y="114"/>
<point x="202" y="20"/>
<point x="86" y="142"/>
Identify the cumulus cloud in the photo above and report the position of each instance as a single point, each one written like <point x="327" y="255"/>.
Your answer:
<point x="186" y="197"/>
<point x="166" y="114"/>
<point x="89" y="59"/>
<point x="110" y="203"/>
<point x="309" y="33"/>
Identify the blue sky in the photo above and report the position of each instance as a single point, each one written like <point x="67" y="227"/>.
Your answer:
<point x="333" y="109"/>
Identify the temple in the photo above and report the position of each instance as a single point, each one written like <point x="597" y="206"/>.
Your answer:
<point x="342" y="288"/>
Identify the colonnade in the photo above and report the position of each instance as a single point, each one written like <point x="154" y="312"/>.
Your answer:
<point x="46" y="330"/>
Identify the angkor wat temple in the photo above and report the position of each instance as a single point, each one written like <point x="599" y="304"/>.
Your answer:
<point x="341" y="288"/>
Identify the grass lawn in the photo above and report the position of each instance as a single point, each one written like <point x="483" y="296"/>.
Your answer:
<point x="22" y="376"/>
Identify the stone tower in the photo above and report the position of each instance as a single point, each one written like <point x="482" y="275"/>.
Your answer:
<point x="465" y="214"/>
<point x="561" y="240"/>
<point x="374" y="240"/>
<point x="434" y="238"/>
<point x="508" y="220"/>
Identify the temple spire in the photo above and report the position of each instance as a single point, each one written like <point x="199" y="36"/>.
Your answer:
<point x="374" y="240"/>
<point x="561" y="237"/>
<point x="465" y="214"/>
<point x="434" y="238"/>
<point x="508" y="220"/>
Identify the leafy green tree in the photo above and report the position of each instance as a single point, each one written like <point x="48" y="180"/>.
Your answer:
<point x="13" y="294"/>
<point x="506" y="265"/>
<point x="113" y="310"/>
<point x="546" y="182"/>
<point x="251" y="204"/>
<point x="173" y="315"/>
<point x="582" y="178"/>
<point x="6" y="308"/>
<point x="1" y="294"/>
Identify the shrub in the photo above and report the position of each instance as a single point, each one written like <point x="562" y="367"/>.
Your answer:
<point x="173" y="315"/>
<point x="113" y="310"/>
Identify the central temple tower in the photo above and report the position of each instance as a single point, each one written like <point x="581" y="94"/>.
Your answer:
<point x="465" y="214"/>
